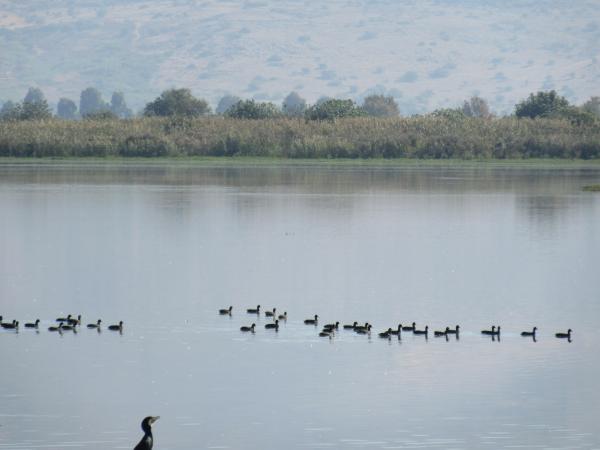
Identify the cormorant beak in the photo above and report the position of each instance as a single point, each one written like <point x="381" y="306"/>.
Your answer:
<point x="154" y="419"/>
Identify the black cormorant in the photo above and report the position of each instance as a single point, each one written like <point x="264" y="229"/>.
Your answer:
<point x="441" y="333"/>
<point x="312" y="321"/>
<point x="425" y="331"/>
<point x="398" y="331"/>
<point x="75" y="321"/>
<point x="250" y="328"/>
<point x="283" y="316"/>
<point x="529" y="333"/>
<point x="410" y="328"/>
<point x="270" y="313"/>
<point x="566" y="335"/>
<point x="118" y="327"/>
<point x="64" y="319"/>
<point x="227" y="311"/>
<point x="33" y="325"/>
<point x="95" y="325"/>
<point x="273" y="325"/>
<point x="254" y="311"/>
<point x="147" y="441"/>
<point x="455" y="331"/>
<point x="350" y="327"/>
<point x="492" y="331"/>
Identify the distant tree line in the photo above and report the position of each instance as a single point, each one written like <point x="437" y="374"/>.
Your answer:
<point x="181" y="102"/>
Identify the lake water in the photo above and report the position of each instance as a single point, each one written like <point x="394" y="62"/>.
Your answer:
<point x="163" y="247"/>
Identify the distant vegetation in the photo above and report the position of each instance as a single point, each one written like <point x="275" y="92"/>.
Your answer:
<point x="178" y="124"/>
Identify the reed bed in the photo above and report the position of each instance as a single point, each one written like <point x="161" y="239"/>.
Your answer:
<point x="414" y="137"/>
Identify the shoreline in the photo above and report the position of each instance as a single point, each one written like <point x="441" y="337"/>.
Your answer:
<point x="260" y="161"/>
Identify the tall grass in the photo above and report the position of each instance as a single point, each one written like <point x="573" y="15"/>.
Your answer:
<point x="415" y="137"/>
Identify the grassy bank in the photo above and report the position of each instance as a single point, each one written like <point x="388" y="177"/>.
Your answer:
<point x="417" y="137"/>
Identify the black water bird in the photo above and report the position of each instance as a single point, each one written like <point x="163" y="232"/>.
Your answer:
<point x="75" y="321"/>
<point x="68" y="327"/>
<point x="350" y="327"/>
<point x="441" y="333"/>
<point x="413" y="327"/>
<point x="529" y="333"/>
<point x="274" y="326"/>
<point x="331" y="326"/>
<point x="118" y="327"/>
<point x="365" y="327"/>
<point x="64" y="319"/>
<point x="270" y="313"/>
<point x="227" y="311"/>
<point x="95" y="325"/>
<point x="386" y="334"/>
<point x="328" y="334"/>
<point x="312" y="321"/>
<point x="363" y="330"/>
<point x="566" y="335"/>
<point x="250" y="328"/>
<point x="283" y="316"/>
<point x="147" y="440"/>
<point x="425" y="331"/>
<point x="398" y="331"/>
<point x="455" y="331"/>
<point x="33" y="325"/>
<point x="253" y="311"/>
<point x="58" y="328"/>
<point x="489" y="332"/>
<point x="11" y="325"/>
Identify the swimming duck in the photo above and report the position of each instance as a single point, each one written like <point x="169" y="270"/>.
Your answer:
<point x="386" y="334"/>
<point x="11" y="325"/>
<point x="273" y="325"/>
<point x="566" y="335"/>
<point x="363" y="330"/>
<point x="270" y="313"/>
<point x="441" y="333"/>
<point x="95" y="325"/>
<point x="398" y="331"/>
<point x="250" y="328"/>
<point x="425" y="331"/>
<point x="410" y="328"/>
<point x="455" y="331"/>
<point x="118" y="327"/>
<point x="283" y="316"/>
<point x="312" y="321"/>
<point x="254" y="311"/>
<point x="331" y="326"/>
<point x="75" y="321"/>
<point x="225" y="312"/>
<point x="492" y="331"/>
<point x="147" y="440"/>
<point x="529" y="333"/>
<point x="350" y="327"/>
<point x="33" y="325"/>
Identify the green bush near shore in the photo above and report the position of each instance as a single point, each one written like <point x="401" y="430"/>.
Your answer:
<point x="361" y="137"/>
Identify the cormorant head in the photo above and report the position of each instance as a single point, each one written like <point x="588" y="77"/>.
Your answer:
<point x="148" y="421"/>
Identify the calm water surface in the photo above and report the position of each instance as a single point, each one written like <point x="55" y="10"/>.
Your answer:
<point x="162" y="248"/>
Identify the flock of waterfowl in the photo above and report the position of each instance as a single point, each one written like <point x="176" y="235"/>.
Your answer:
<point x="330" y="329"/>
<point x="68" y="323"/>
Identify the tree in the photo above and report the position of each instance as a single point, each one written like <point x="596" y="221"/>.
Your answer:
<point x="10" y="111"/>
<point x="91" y="102"/>
<point x="476" y="107"/>
<point x="334" y="109"/>
<point x="118" y="106"/>
<point x="66" y="109"/>
<point x="592" y="106"/>
<point x="381" y="106"/>
<point x="293" y="105"/>
<point x="226" y="102"/>
<point x="37" y="110"/>
<point x="34" y="95"/>
<point x="250" y="109"/>
<point x="542" y="104"/>
<point x="177" y="102"/>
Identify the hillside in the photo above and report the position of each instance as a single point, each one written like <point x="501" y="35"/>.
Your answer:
<point x="427" y="54"/>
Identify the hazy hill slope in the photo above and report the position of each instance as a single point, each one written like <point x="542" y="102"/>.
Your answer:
<point x="425" y="53"/>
